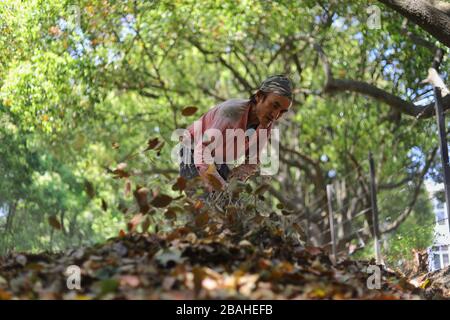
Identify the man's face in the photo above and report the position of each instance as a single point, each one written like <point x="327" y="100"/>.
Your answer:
<point x="270" y="108"/>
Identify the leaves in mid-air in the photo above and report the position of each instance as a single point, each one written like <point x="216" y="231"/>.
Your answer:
<point x="189" y="111"/>
<point x="161" y="201"/>
<point x="54" y="222"/>
<point x="141" y="196"/>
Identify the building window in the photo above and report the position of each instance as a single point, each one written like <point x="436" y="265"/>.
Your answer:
<point x="445" y="259"/>
<point x="440" y="217"/>
<point x="436" y="261"/>
<point x="440" y="257"/>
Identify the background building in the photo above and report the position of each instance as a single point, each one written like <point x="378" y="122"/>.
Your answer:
<point x="438" y="253"/>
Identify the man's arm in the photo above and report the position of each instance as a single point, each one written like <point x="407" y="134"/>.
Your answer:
<point x="249" y="168"/>
<point x="219" y="120"/>
<point x="224" y="116"/>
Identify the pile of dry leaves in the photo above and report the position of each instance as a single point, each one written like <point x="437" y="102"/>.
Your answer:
<point x="185" y="264"/>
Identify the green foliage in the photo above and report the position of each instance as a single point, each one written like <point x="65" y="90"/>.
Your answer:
<point x="40" y="91"/>
<point x="416" y="232"/>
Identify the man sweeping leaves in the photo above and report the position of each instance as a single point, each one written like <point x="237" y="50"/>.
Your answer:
<point x="233" y="129"/>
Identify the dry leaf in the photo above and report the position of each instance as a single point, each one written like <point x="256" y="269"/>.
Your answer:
<point x="189" y="111"/>
<point x="54" y="222"/>
<point x="161" y="201"/>
<point x="180" y="185"/>
<point x="201" y="219"/>
<point x="152" y="143"/>
<point x="140" y="194"/>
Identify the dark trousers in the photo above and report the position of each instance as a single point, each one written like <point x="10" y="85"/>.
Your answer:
<point x="189" y="171"/>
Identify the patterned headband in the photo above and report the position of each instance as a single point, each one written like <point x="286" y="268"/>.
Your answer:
<point x="278" y="84"/>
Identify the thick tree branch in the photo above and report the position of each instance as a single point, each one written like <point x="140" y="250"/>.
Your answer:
<point x="444" y="6"/>
<point x="428" y="15"/>
<point x="399" y="104"/>
<point x="416" y="39"/>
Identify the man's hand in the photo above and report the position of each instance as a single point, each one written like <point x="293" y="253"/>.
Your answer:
<point x="212" y="179"/>
<point x="244" y="171"/>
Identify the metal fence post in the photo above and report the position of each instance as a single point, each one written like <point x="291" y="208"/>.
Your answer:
<point x="373" y="194"/>
<point x="331" y="218"/>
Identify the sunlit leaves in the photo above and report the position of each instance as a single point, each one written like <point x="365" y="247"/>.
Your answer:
<point x="40" y="90"/>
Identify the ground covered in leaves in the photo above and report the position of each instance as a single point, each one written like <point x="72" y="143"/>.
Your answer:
<point x="187" y="265"/>
<point x="434" y="283"/>
<point x="226" y="246"/>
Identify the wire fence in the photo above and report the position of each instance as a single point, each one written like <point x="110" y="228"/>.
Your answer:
<point x="356" y="223"/>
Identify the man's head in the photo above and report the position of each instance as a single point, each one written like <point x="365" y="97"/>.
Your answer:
<point x="273" y="99"/>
